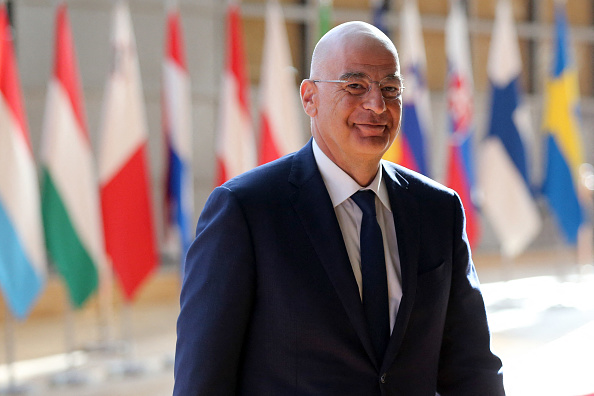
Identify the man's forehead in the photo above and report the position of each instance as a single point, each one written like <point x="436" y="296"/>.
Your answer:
<point x="355" y="47"/>
<point x="371" y="64"/>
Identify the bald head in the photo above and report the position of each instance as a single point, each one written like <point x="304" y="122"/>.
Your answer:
<point x="354" y="129"/>
<point x="334" y="42"/>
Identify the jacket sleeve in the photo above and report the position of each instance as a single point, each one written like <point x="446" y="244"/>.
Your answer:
<point x="467" y="366"/>
<point x="216" y="299"/>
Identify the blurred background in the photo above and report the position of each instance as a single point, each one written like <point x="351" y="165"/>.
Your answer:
<point x="164" y="100"/>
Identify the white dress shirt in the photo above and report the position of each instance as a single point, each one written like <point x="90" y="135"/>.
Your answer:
<point x="341" y="186"/>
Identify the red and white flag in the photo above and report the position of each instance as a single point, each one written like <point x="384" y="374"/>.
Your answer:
<point x="123" y="171"/>
<point x="236" y="144"/>
<point x="280" y="110"/>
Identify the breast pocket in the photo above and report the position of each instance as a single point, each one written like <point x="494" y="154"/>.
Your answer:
<point x="435" y="275"/>
<point x="432" y="295"/>
<point x="433" y="287"/>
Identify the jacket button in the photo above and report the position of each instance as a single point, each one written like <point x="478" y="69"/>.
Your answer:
<point x="383" y="378"/>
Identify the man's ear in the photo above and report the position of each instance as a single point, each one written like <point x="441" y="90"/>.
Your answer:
<point x="309" y="97"/>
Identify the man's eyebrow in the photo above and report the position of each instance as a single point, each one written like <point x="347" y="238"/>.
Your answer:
<point x="396" y="76"/>
<point x="348" y="75"/>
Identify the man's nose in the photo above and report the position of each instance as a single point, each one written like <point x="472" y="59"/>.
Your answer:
<point x="373" y="100"/>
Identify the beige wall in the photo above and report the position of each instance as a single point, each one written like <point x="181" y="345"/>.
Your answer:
<point x="204" y="36"/>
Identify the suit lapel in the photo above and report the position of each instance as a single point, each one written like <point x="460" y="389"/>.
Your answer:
<point x="314" y="207"/>
<point x="407" y="223"/>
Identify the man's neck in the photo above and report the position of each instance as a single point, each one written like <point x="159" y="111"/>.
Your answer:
<point x="362" y="170"/>
<point x="363" y="174"/>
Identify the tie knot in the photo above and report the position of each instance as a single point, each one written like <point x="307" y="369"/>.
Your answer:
<point x="365" y="200"/>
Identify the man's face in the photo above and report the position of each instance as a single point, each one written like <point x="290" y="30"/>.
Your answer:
<point x="351" y="128"/>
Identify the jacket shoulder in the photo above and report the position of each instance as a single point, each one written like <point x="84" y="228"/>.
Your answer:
<point x="414" y="181"/>
<point x="263" y="179"/>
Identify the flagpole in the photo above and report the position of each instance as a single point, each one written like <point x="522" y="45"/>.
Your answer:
<point x="507" y="271"/>
<point x="507" y="266"/>
<point x="106" y="342"/>
<point x="129" y="365"/>
<point x="71" y="376"/>
<point x="105" y="310"/>
<point x="12" y="388"/>
<point x="565" y="258"/>
<point x="585" y="243"/>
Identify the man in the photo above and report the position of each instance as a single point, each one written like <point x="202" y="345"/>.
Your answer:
<point x="282" y="294"/>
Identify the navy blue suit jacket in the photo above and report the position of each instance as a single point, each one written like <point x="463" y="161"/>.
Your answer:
<point x="270" y="305"/>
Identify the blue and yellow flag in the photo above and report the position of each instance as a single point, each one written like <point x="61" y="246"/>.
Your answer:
<point x="563" y="141"/>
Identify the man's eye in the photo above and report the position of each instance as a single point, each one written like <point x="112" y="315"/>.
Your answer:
<point x="391" y="89"/>
<point x="356" y="86"/>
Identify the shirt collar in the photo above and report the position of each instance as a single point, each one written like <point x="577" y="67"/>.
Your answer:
<point x="341" y="186"/>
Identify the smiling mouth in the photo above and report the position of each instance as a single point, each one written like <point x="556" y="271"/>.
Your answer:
<point x="372" y="129"/>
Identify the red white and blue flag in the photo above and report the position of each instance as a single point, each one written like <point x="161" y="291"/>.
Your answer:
<point x="22" y="251"/>
<point x="460" y="110"/>
<point x="177" y="128"/>
<point x="410" y="148"/>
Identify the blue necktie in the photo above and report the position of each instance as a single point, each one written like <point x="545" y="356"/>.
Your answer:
<point x="373" y="271"/>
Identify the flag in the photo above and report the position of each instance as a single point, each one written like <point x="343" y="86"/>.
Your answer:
<point x="70" y="189"/>
<point x="409" y="149"/>
<point x="280" y="115"/>
<point x="563" y="141"/>
<point x="504" y="175"/>
<point x="459" y="93"/>
<point x="380" y="10"/>
<point x="22" y="251"/>
<point x="324" y="17"/>
<point x="123" y="172"/>
<point x="177" y="128"/>
<point x="236" y="144"/>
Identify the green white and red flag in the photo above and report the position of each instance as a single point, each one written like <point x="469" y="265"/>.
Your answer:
<point x="70" y="190"/>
